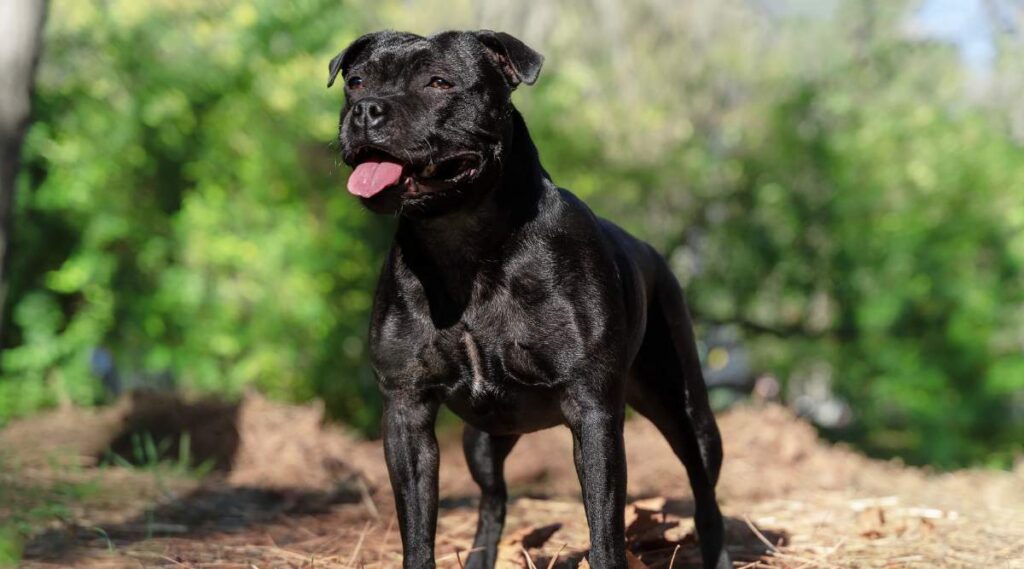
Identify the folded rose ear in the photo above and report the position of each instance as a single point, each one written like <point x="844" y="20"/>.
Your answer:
<point x="344" y="59"/>
<point x="516" y="60"/>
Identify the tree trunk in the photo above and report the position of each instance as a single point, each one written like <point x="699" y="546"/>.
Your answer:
<point x="21" y="30"/>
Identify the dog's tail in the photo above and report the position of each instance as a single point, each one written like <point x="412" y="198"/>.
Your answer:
<point x="697" y="406"/>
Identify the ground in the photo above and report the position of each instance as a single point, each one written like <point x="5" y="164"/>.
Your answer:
<point x="284" y="490"/>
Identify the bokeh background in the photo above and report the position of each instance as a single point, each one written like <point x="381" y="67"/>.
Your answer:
<point x="838" y="184"/>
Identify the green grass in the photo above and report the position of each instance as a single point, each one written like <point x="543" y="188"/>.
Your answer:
<point x="29" y="503"/>
<point x="150" y="455"/>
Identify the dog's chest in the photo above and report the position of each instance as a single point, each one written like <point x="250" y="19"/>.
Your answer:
<point x="504" y="341"/>
<point x="501" y="383"/>
<point x="502" y="346"/>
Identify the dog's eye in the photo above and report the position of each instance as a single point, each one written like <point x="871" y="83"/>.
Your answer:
<point x="355" y="83"/>
<point x="440" y="83"/>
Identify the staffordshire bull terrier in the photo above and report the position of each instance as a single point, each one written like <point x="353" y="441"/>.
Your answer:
<point x="505" y="298"/>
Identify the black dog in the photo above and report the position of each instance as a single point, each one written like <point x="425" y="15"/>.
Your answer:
<point x="505" y="298"/>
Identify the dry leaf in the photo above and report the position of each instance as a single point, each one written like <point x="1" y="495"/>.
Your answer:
<point x="530" y="537"/>
<point x="646" y="524"/>
<point x="634" y="562"/>
<point x="643" y="509"/>
<point x="639" y="520"/>
<point x="512" y="549"/>
<point x="875" y="523"/>
<point x="655" y="504"/>
<point x="871" y="519"/>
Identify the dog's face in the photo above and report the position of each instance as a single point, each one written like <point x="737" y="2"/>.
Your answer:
<point x="424" y="117"/>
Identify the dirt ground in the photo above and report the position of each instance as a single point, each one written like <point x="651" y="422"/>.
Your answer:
<point x="287" y="491"/>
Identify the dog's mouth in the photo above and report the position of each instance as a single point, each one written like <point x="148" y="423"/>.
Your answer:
<point x="376" y="170"/>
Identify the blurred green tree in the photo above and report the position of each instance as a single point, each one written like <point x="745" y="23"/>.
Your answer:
<point x="21" y="32"/>
<point x="182" y="206"/>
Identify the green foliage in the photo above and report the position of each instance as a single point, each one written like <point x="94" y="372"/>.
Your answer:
<point x="882" y="238"/>
<point x="182" y="205"/>
<point x="854" y="212"/>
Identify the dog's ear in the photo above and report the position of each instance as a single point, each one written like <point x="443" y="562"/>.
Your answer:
<point x="344" y="59"/>
<point x="516" y="60"/>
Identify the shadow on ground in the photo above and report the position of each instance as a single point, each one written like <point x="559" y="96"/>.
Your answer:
<point x="207" y="511"/>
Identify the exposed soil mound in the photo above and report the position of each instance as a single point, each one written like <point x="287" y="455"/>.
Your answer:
<point x="161" y="426"/>
<point x="254" y="442"/>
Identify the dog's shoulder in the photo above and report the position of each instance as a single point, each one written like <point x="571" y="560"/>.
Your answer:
<point x="571" y="216"/>
<point x="563" y="214"/>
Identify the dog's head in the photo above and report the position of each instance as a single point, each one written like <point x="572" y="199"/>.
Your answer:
<point x="424" y="117"/>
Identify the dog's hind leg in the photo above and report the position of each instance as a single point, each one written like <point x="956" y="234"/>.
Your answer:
<point x="485" y="455"/>
<point x="667" y="386"/>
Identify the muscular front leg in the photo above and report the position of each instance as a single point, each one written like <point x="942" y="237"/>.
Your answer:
<point x="600" y="456"/>
<point x="410" y="447"/>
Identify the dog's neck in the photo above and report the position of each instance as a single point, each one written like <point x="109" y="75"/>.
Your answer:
<point x="448" y="250"/>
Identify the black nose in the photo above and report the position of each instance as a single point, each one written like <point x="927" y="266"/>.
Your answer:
<point x="369" y="113"/>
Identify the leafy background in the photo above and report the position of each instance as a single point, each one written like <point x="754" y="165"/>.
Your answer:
<point x="843" y="189"/>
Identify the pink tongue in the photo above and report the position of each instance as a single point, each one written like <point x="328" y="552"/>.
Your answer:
<point x="371" y="177"/>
